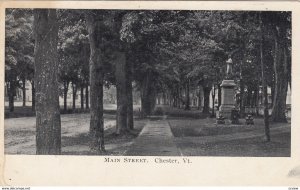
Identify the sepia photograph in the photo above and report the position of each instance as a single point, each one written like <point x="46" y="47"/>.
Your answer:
<point x="147" y="82"/>
<point x="166" y="93"/>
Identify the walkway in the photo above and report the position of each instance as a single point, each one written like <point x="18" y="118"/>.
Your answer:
<point x="156" y="139"/>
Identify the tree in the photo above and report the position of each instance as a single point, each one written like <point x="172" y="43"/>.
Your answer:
<point x="129" y="73"/>
<point x="73" y="54"/>
<point x="121" y="73"/>
<point x="95" y="26"/>
<point x="128" y="22"/>
<point x="18" y="52"/>
<point x="280" y="26"/>
<point x="155" y="31"/>
<point x="264" y="85"/>
<point x="121" y="84"/>
<point x="48" y="125"/>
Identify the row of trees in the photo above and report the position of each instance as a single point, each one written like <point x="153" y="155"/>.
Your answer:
<point x="73" y="55"/>
<point x="19" y="47"/>
<point x="164" y="52"/>
<point x="200" y="56"/>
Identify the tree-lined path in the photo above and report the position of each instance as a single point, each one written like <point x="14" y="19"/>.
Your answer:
<point x="146" y="63"/>
<point x="156" y="139"/>
<point x="167" y="136"/>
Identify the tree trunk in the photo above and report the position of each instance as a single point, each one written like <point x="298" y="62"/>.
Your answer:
<point x="153" y="98"/>
<point x="206" y="92"/>
<point x="87" y="105"/>
<point x="66" y="87"/>
<point x="145" y="104"/>
<point x="121" y="82"/>
<point x="187" y="94"/>
<point x="257" y="100"/>
<point x="146" y="92"/>
<point x="249" y="96"/>
<point x="242" y="92"/>
<point x="213" y="94"/>
<point x="272" y="93"/>
<point x="48" y="125"/>
<point x="11" y="95"/>
<point x="81" y="97"/>
<point x="130" y="123"/>
<point x="96" y="132"/>
<point x="177" y="97"/>
<point x="265" y="92"/>
<point x="175" y="100"/>
<point x="33" y="95"/>
<point x="281" y="79"/>
<point x="275" y="72"/>
<point x="180" y="95"/>
<point x="164" y="98"/>
<point x="254" y="98"/>
<point x="199" y="99"/>
<point x="74" y="90"/>
<point x="219" y="95"/>
<point x="24" y="91"/>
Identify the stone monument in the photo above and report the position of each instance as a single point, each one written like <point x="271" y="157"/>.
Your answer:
<point x="228" y="92"/>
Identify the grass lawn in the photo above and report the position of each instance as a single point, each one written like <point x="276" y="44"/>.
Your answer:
<point x="201" y="137"/>
<point x="194" y="134"/>
<point x="26" y="111"/>
<point x="114" y="145"/>
<point x="173" y="112"/>
<point x="20" y="135"/>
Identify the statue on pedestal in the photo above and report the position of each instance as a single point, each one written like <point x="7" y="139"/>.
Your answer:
<point x="229" y="69"/>
<point x="228" y="92"/>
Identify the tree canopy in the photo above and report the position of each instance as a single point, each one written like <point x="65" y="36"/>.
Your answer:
<point x="165" y="52"/>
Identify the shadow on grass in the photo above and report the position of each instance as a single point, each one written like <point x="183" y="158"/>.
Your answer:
<point x="203" y="138"/>
<point x="172" y="112"/>
<point x="114" y="144"/>
<point x="19" y="132"/>
<point x="249" y="147"/>
<point x="191" y="131"/>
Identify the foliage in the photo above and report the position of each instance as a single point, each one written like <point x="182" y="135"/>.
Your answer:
<point x="19" y="45"/>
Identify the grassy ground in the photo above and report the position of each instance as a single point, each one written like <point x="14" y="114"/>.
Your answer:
<point x="114" y="145"/>
<point x="195" y="134"/>
<point x="201" y="137"/>
<point x="250" y="147"/>
<point x="20" y="135"/>
<point x="20" y="111"/>
<point x="179" y="113"/>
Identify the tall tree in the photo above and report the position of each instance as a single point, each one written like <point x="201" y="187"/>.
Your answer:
<point x="264" y="85"/>
<point x="19" y="47"/>
<point x="73" y="53"/>
<point x="281" y="31"/>
<point x="94" y="23"/>
<point x="130" y="121"/>
<point x="121" y="84"/>
<point x="48" y="124"/>
<point x="128" y="22"/>
<point x="121" y="73"/>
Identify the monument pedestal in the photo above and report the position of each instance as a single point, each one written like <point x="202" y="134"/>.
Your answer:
<point x="227" y="101"/>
